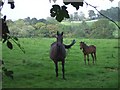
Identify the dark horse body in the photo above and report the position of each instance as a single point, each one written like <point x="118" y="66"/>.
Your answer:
<point x="88" y="50"/>
<point x="58" y="52"/>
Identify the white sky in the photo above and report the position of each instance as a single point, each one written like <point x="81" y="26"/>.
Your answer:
<point x="41" y="8"/>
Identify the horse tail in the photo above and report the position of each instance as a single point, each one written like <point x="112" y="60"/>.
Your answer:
<point x="69" y="46"/>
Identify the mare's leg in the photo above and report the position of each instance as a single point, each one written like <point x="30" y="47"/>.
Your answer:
<point x="88" y="58"/>
<point x="56" y="68"/>
<point x="85" y="58"/>
<point x="92" y="57"/>
<point x="63" y="70"/>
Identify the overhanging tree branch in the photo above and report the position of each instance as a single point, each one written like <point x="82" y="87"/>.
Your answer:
<point x="103" y="15"/>
<point x="13" y="39"/>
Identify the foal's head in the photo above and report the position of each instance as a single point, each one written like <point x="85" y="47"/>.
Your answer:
<point x="82" y="44"/>
<point x="59" y="37"/>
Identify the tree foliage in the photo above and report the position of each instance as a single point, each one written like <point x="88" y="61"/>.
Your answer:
<point x="6" y="37"/>
<point x="59" y="12"/>
<point x="102" y="29"/>
<point x="92" y="14"/>
<point x="60" y="16"/>
<point x="95" y="29"/>
<point x="111" y="13"/>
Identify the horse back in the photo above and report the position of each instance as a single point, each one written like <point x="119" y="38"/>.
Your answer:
<point x="92" y="48"/>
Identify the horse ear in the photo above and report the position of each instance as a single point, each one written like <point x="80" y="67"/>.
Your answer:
<point x="62" y="33"/>
<point x="57" y="33"/>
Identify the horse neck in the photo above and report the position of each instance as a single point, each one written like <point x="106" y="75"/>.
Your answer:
<point x="85" y="46"/>
<point x="59" y="44"/>
<point x="58" y="41"/>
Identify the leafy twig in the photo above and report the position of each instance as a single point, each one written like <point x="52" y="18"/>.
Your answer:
<point x="16" y="43"/>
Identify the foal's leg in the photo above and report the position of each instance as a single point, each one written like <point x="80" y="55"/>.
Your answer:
<point x="95" y="56"/>
<point x="56" y="68"/>
<point x="63" y="70"/>
<point x="92" y="57"/>
<point x="85" y="58"/>
<point x="88" y="58"/>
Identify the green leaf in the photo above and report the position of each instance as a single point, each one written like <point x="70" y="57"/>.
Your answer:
<point x="66" y="3"/>
<point x="12" y="6"/>
<point x="56" y="7"/>
<point x="4" y="40"/>
<point x="16" y="38"/>
<point x="81" y="3"/>
<point x="19" y="45"/>
<point x="53" y="14"/>
<point x="77" y="4"/>
<point x="64" y="7"/>
<point x="9" y="45"/>
<point x="59" y="18"/>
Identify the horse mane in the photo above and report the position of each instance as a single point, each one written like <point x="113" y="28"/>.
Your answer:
<point x="59" y="46"/>
<point x="84" y="43"/>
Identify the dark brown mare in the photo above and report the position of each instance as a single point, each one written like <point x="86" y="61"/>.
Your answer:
<point x="58" y="52"/>
<point x="88" y="50"/>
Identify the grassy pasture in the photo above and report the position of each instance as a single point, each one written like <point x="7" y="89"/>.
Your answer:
<point x="35" y="69"/>
<point x="77" y="23"/>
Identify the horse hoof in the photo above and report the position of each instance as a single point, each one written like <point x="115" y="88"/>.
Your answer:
<point x="56" y="78"/>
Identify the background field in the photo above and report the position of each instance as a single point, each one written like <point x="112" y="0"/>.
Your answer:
<point x="35" y="69"/>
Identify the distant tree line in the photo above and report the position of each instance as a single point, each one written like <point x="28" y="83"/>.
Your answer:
<point x="111" y="13"/>
<point x="31" y="27"/>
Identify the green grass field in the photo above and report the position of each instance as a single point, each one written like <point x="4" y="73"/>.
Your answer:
<point x="35" y="69"/>
<point x="77" y="23"/>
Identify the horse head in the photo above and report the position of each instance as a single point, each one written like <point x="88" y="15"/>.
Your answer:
<point x="82" y="45"/>
<point x="59" y="37"/>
